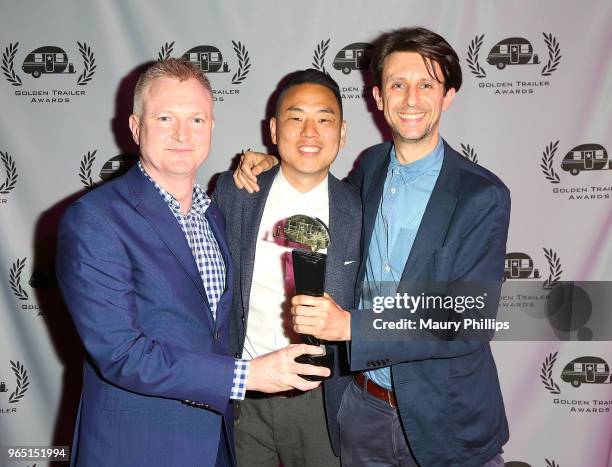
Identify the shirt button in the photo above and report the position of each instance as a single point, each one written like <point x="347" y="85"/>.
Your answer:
<point x="387" y="268"/>
<point x="217" y="335"/>
<point x="242" y="319"/>
<point x="393" y="191"/>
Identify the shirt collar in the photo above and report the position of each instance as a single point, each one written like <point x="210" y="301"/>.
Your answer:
<point x="432" y="160"/>
<point x="199" y="203"/>
<point x="315" y="197"/>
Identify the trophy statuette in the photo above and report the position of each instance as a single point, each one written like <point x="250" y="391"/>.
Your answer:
<point x="309" y="274"/>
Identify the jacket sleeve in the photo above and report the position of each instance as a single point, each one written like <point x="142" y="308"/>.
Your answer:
<point x="95" y="274"/>
<point x="479" y="258"/>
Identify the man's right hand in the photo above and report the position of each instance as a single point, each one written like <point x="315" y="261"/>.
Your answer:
<point x="251" y="165"/>
<point x="278" y="371"/>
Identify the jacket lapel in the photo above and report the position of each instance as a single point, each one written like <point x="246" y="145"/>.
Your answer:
<point x="338" y="223"/>
<point x="152" y="207"/>
<point x="437" y="217"/>
<point x="215" y="220"/>
<point x="371" y="203"/>
<point x="252" y="211"/>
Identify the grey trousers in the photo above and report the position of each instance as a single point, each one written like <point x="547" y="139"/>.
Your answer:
<point x="292" y="430"/>
<point x="371" y="433"/>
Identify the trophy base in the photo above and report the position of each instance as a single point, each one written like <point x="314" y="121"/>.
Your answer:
<point x="325" y="360"/>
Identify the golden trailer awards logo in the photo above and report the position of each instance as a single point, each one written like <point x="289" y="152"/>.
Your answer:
<point x="13" y="387"/>
<point x="350" y="60"/>
<point x="587" y="162"/>
<point x="582" y="373"/>
<point x="15" y="275"/>
<point x="52" y="64"/>
<point x="10" y="178"/>
<point x="43" y="278"/>
<point x="213" y="63"/>
<point x="112" y="168"/>
<point x="469" y="153"/>
<point x="517" y="58"/>
<point x="519" y="265"/>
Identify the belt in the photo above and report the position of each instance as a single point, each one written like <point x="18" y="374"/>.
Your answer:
<point x="276" y="395"/>
<point x="375" y="390"/>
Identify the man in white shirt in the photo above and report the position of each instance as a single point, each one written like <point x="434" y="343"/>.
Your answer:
<point x="308" y="130"/>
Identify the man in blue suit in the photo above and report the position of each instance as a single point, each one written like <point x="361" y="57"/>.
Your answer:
<point x="144" y="267"/>
<point x="429" y="215"/>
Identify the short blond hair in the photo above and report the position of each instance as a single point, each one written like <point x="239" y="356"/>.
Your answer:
<point x="171" y="68"/>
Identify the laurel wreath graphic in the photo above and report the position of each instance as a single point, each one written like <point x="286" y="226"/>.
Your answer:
<point x="7" y="64"/>
<point x="244" y="63"/>
<point x="469" y="153"/>
<point x="15" y="279"/>
<point x="166" y="50"/>
<point x="85" y="169"/>
<point x="546" y="374"/>
<point x="22" y="382"/>
<point x="89" y="62"/>
<point x="472" y="57"/>
<point x="547" y="162"/>
<point x="551" y="463"/>
<point x="11" y="173"/>
<point x="318" y="59"/>
<point x="554" y="54"/>
<point x="554" y="264"/>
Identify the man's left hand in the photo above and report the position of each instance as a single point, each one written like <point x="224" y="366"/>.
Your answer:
<point x="320" y="317"/>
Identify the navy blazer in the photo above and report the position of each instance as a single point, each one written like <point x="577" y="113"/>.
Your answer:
<point x="243" y="212"/>
<point x="448" y="393"/>
<point x="138" y="303"/>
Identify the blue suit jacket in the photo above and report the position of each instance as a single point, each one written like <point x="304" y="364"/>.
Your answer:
<point x="134" y="292"/>
<point x="244" y="212"/>
<point x="448" y="393"/>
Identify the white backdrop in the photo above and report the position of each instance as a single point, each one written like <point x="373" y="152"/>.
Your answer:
<point x="58" y="131"/>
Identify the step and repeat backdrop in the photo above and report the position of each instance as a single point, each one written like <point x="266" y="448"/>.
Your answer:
<point x="534" y="108"/>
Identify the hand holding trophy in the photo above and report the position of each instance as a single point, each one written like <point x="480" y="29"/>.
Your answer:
<point x="309" y="274"/>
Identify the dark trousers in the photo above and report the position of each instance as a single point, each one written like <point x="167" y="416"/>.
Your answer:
<point x="371" y="433"/>
<point x="292" y="430"/>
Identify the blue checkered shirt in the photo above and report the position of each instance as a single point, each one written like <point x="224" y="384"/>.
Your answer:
<point x="208" y="258"/>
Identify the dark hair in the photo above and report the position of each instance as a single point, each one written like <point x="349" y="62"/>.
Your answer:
<point x="428" y="44"/>
<point x="308" y="76"/>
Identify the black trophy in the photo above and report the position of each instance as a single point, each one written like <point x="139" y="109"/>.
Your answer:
<point x="309" y="274"/>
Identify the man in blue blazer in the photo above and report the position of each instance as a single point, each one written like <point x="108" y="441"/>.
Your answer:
<point x="144" y="267"/>
<point x="429" y="215"/>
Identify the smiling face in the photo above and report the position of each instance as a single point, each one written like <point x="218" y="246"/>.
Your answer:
<point x="412" y="101"/>
<point x="174" y="129"/>
<point x="309" y="131"/>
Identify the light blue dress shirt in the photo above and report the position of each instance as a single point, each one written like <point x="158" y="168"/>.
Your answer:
<point x="405" y="196"/>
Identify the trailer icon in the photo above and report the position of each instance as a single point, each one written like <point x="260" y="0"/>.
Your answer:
<point x="586" y="370"/>
<point x="512" y="51"/>
<point x="47" y="59"/>
<point x="519" y="266"/>
<point x="355" y="56"/>
<point x="118" y="165"/>
<point x="586" y="157"/>
<point x="208" y="58"/>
